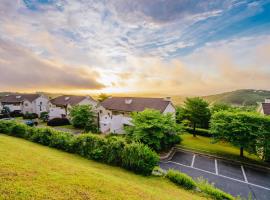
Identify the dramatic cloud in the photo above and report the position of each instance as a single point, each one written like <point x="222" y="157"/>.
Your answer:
<point x="172" y="46"/>
<point x="22" y="70"/>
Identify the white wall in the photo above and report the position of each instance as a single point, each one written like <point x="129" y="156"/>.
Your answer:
<point x="56" y="112"/>
<point x="13" y="107"/>
<point x="169" y="109"/>
<point x="27" y="107"/>
<point x="41" y="104"/>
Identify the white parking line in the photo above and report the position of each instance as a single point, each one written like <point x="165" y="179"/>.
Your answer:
<point x="193" y="159"/>
<point x="244" y="173"/>
<point x="259" y="186"/>
<point x="216" y="167"/>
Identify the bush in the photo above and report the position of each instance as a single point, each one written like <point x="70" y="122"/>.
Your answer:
<point x="61" y="140"/>
<point x="90" y="146"/>
<point x="181" y="179"/>
<point x="139" y="158"/>
<point x="113" y="150"/>
<point x="157" y="130"/>
<point x="42" y="136"/>
<point x="199" y="131"/>
<point x="30" y="116"/>
<point x="214" y="192"/>
<point x="6" y="126"/>
<point x="19" y="130"/>
<point x="58" y="122"/>
<point x="44" y="116"/>
<point x="16" y="113"/>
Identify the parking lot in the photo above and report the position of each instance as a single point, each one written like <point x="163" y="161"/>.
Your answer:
<point x="233" y="178"/>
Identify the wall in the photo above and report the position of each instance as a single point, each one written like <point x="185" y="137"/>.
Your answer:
<point x="56" y="112"/>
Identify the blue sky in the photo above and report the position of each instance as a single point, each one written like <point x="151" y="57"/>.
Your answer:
<point x="174" y="47"/>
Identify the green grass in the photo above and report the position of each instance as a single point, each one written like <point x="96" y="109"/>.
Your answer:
<point x="32" y="171"/>
<point x="205" y="145"/>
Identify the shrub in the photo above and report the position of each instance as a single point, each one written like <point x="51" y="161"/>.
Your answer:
<point x="61" y="140"/>
<point x="44" y="116"/>
<point x="42" y="136"/>
<point x="181" y="179"/>
<point x="90" y="146"/>
<point x="158" y="131"/>
<point x="214" y="192"/>
<point x="199" y="131"/>
<point x="30" y="116"/>
<point x="16" y="113"/>
<point x="19" y="130"/>
<point x="6" y="126"/>
<point x="139" y="158"/>
<point x="83" y="116"/>
<point x="114" y="148"/>
<point x="58" y="122"/>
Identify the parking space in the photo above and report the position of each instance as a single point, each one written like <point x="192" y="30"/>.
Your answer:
<point x="230" y="177"/>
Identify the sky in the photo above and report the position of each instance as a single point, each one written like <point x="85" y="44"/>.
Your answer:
<point x="166" y="47"/>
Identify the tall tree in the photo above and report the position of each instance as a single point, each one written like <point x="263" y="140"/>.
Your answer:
<point x="198" y="112"/>
<point x="239" y="128"/>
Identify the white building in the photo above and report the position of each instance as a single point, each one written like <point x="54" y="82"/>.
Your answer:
<point x="114" y="112"/>
<point x="264" y="108"/>
<point x="59" y="106"/>
<point x="26" y="103"/>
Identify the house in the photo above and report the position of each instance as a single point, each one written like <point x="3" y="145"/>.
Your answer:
<point x="26" y="103"/>
<point x="114" y="112"/>
<point x="59" y="106"/>
<point x="264" y="108"/>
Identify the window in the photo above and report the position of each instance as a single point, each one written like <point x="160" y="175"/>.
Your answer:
<point x="100" y="111"/>
<point x="26" y="104"/>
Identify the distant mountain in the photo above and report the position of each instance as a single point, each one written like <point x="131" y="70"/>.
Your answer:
<point x="246" y="97"/>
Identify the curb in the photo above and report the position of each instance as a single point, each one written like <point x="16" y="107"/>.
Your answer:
<point x="175" y="149"/>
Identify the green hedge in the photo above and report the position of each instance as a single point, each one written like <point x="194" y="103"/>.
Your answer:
<point x="199" y="131"/>
<point x="112" y="150"/>
<point x="181" y="179"/>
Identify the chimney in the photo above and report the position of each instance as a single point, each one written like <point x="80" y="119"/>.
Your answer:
<point x="267" y="100"/>
<point x="128" y="101"/>
<point x="167" y="99"/>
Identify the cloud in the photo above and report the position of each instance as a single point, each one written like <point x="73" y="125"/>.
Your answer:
<point x="23" y="70"/>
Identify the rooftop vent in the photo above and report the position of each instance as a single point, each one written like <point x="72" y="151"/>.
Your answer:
<point x="128" y="101"/>
<point x="67" y="98"/>
<point x="18" y="97"/>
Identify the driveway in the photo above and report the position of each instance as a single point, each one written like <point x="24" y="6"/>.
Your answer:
<point x="233" y="178"/>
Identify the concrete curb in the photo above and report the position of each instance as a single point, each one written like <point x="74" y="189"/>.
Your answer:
<point x="175" y="149"/>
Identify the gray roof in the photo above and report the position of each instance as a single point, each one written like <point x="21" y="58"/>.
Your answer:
<point x="65" y="100"/>
<point x="131" y="104"/>
<point x="266" y="108"/>
<point x="17" y="98"/>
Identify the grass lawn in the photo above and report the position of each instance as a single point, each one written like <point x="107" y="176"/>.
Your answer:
<point x="32" y="171"/>
<point x="205" y="145"/>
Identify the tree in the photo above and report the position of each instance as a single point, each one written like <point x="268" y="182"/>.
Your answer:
<point x="159" y="131"/>
<point x="181" y="114"/>
<point x="220" y="107"/>
<point x="198" y="112"/>
<point x="83" y="116"/>
<point x="103" y="97"/>
<point x="239" y="128"/>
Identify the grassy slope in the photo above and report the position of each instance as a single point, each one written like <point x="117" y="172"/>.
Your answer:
<point x="31" y="171"/>
<point x="205" y="145"/>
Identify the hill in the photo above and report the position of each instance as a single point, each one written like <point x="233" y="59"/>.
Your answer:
<point x="32" y="171"/>
<point x="244" y="97"/>
<point x="247" y="97"/>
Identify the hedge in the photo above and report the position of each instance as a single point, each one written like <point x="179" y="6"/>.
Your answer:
<point x="181" y="179"/>
<point x="58" y="122"/>
<point x="199" y="131"/>
<point x="135" y="157"/>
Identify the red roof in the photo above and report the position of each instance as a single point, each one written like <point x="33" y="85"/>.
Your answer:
<point x="266" y="108"/>
<point x="131" y="104"/>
